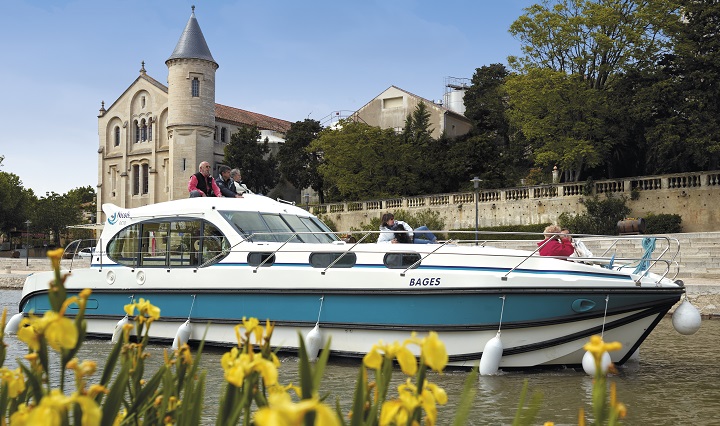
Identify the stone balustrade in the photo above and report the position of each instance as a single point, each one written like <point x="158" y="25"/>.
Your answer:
<point x="685" y="194"/>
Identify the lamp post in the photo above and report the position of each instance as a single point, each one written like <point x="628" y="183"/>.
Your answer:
<point x="476" y="184"/>
<point x="307" y="201"/>
<point x="27" y="242"/>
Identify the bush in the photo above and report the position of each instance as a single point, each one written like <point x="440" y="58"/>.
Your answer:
<point x="488" y="235"/>
<point x="600" y="218"/>
<point x="663" y="223"/>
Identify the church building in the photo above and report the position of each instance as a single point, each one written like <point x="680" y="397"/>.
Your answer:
<point x="153" y="137"/>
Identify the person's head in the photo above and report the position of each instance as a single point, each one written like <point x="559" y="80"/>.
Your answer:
<point x="235" y="175"/>
<point x="204" y="168"/>
<point x="551" y="230"/>
<point x="388" y="220"/>
<point x="224" y="171"/>
<point x="564" y="233"/>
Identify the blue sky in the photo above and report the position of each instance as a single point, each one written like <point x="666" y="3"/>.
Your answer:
<point x="283" y="58"/>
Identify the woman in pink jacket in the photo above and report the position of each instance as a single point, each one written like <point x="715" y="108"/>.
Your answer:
<point x="555" y="244"/>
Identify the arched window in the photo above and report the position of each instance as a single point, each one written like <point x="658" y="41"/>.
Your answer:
<point x="195" y="87"/>
<point x="149" y="130"/>
<point x="143" y="131"/>
<point x="117" y="135"/>
<point x="137" y="132"/>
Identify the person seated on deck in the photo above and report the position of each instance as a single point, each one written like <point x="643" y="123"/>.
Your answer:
<point x="390" y="227"/>
<point x="554" y="243"/>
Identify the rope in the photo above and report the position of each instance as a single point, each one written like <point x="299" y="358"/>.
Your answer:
<point x="602" y="332"/>
<point x="648" y="245"/>
<point x="502" y="309"/>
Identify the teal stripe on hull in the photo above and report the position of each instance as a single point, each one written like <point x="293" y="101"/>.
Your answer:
<point x="390" y="308"/>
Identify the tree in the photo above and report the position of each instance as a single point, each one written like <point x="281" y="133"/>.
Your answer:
<point x="361" y="161"/>
<point x="417" y="131"/>
<point x="485" y="101"/>
<point x="559" y="116"/>
<point x="298" y="163"/>
<point x="257" y="166"/>
<point x="593" y="39"/>
<point x="15" y="203"/>
<point x="54" y="213"/>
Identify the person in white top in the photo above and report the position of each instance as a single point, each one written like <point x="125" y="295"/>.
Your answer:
<point x="239" y="186"/>
<point x="397" y="231"/>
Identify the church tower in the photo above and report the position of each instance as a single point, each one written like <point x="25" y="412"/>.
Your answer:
<point x="191" y="106"/>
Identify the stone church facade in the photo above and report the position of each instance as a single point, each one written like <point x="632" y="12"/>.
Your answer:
<point x="152" y="138"/>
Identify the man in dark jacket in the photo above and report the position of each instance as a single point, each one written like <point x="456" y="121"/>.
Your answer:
<point x="202" y="184"/>
<point x="225" y="183"/>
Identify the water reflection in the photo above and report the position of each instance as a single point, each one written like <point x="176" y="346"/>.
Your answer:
<point x="674" y="381"/>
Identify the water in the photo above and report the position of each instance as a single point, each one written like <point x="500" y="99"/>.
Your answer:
<point x="675" y="381"/>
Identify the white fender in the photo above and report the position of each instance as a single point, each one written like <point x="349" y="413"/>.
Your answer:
<point x="182" y="336"/>
<point x="12" y="326"/>
<point x="313" y="343"/>
<point x="686" y="318"/>
<point x="491" y="355"/>
<point x="117" y="333"/>
<point x="588" y="363"/>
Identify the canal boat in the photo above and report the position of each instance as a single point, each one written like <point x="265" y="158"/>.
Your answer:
<point x="209" y="262"/>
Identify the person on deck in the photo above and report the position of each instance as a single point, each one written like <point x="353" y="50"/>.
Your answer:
<point x="225" y="183"/>
<point x="202" y="184"/>
<point x="389" y="226"/>
<point x="554" y="243"/>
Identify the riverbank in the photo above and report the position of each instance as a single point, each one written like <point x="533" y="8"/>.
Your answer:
<point x="704" y="293"/>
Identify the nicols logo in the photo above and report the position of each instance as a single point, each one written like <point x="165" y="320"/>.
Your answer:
<point x="118" y="215"/>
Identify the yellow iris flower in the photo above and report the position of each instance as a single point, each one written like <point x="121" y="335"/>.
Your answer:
<point x="373" y="359"/>
<point x="146" y="311"/>
<point x="282" y="411"/>
<point x="60" y="332"/>
<point x="434" y="352"/>
<point x="91" y="412"/>
<point x="238" y="365"/>
<point x="597" y="347"/>
<point x="50" y="411"/>
<point x="55" y="256"/>
<point x="400" y="410"/>
<point x="14" y="379"/>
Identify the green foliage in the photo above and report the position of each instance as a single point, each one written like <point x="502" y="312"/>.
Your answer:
<point x="594" y="40"/>
<point x="523" y="232"/>
<point x="15" y="203"/>
<point x="663" y="223"/>
<point x="600" y="218"/>
<point x="257" y="165"/>
<point x="298" y="163"/>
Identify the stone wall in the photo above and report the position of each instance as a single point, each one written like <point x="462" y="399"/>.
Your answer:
<point x="691" y="195"/>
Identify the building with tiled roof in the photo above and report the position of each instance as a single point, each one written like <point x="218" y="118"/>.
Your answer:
<point x="153" y="137"/>
<point x="389" y="109"/>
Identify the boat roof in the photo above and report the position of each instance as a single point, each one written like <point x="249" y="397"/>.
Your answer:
<point x="202" y="205"/>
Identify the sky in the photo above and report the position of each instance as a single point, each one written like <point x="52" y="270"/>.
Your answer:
<point x="287" y="59"/>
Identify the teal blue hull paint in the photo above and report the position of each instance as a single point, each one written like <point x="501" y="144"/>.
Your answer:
<point x="389" y="308"/>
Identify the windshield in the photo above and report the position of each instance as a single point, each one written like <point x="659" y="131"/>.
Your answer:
<point x="279" y="227"/>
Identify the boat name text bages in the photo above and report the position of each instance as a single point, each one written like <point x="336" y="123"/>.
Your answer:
<point x="424" y="281"/>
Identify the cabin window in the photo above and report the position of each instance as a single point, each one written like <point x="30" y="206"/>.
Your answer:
<point x="123" y="247"/>
<point x="250" y="225"/>
<point x="323" y="260"/>
<point x="309" y="232"/>
<point x="257" y="258"/>
<point x="169" y="243"/>
<point x="401" y="260"/>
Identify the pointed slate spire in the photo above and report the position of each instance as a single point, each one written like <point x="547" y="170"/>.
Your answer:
<point x="192" y="43"/>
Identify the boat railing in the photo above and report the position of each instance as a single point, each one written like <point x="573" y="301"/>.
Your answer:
<point x="615" y="249"/>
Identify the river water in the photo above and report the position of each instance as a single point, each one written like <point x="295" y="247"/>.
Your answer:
<point x="676" y="381"/>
